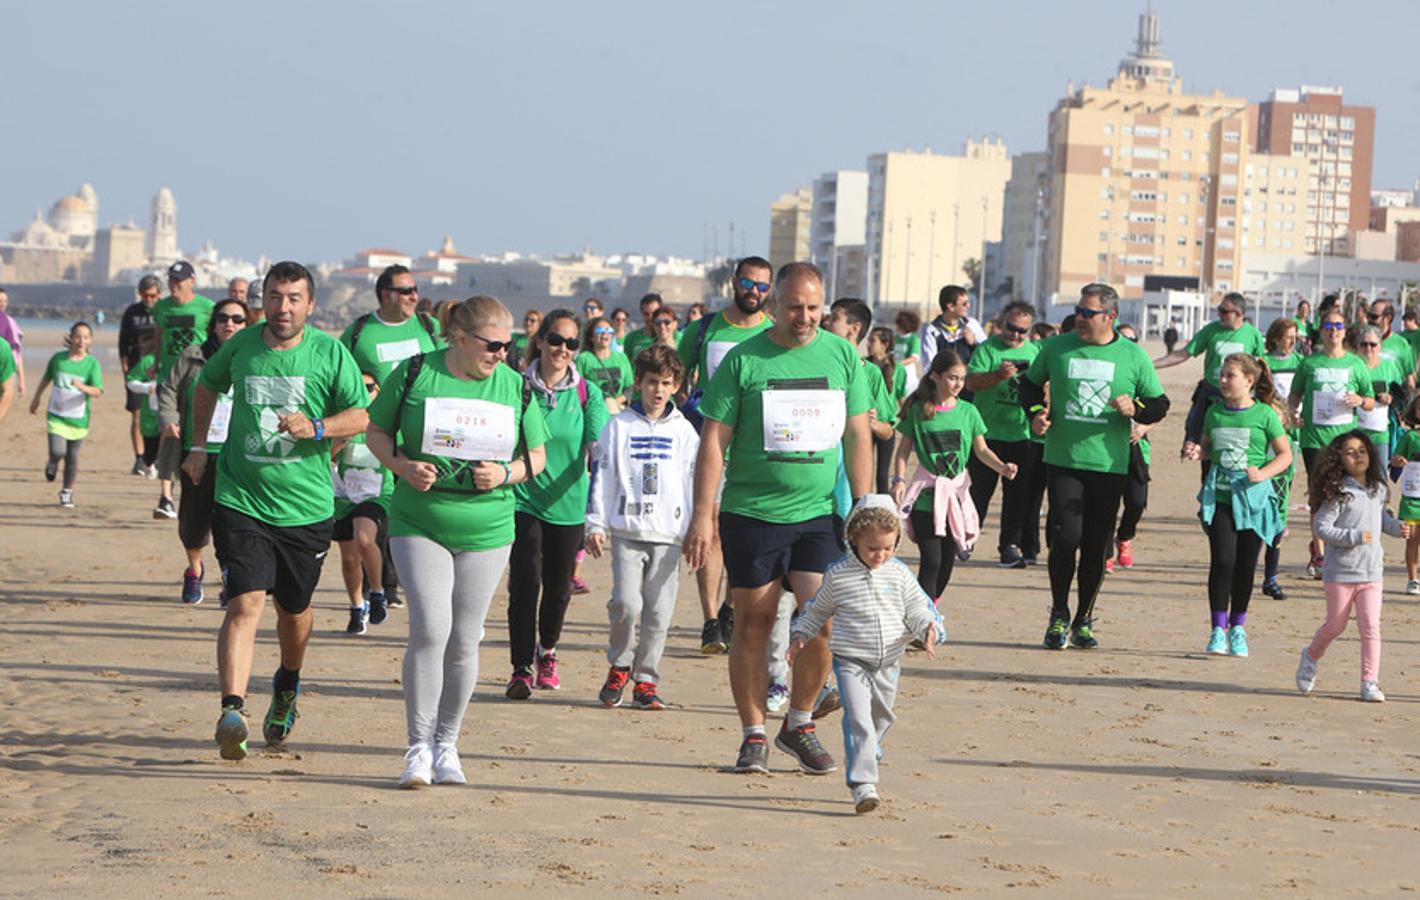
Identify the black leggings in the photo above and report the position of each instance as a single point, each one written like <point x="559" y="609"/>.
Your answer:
<point x="883" y="449"/>
<point x="1136" y="495"/>
<point x="939" y="554"/>
<point x="1232" y="563"/>
<point x="150" y="449"/>
<point x="67" y="450"/>
<point x="540" y="562"/>
<point x="1035" y="498"/>
<point x="1083" y="506"/>
<point x="1015" y="494"/>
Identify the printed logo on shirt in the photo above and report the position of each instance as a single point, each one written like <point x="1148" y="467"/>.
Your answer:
<point x="1232" y="444"/>
<point x="179" y="331"/>
<point x="944" y="448"/>
<point x="273" y="396"/>
<point x="1092" y="378"/>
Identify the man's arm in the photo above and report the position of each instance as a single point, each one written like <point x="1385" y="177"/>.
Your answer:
<point x="709" y="465"/>
<point x="858" y="455"/>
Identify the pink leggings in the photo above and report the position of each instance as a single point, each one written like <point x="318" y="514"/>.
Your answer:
<point x="1365" y="597"/>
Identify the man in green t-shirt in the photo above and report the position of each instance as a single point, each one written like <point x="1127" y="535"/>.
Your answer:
<point x="379" y="340"/>
<point x="1099" y="385"/>
<point x="781" y="404"/>
<point x="703" y="346"/>
<point x="644" y="336"/>
<point x="181" y="320"/>
<point x="295" y="388"/>
<point x="993" y="376"/>
<point x="1216" y="341"/>
<point x="1394" y="347"/>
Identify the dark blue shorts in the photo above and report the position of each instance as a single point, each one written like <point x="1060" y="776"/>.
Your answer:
<point x="759" y="552"/>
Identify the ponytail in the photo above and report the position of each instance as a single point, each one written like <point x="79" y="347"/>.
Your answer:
<point x="926" y="396"/>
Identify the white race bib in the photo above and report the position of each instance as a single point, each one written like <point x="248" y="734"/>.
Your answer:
<point x="1378" y="419"/>
<point x="1410" y="480"/>
<point x="1283" y="383"/>
<point x="805" y="421"/>
<point x="1329" y="408"/>
<point x="360" y="485"/>
<point x="66" y="402"/>
<point x="714" y="355"/>
<point x="396" y="351"/>
<point x="469" y="429"/>
<point x="221" y="419"/>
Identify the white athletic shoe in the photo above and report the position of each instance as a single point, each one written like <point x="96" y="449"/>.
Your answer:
<point x="865" y="798"/>
<point x="1306" y="672"/>
<point x="1371" y="692"/>
<point x="151" y="473"/>
<point x="1412" y="587"/>
<point x="418" y="767"/>
<point x="447" y="769"/>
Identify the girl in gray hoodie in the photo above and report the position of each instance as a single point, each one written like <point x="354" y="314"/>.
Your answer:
<point x="1348" y="492"/>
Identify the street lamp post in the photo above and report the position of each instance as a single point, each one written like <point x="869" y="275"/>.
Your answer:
<point x="981" y="289"/>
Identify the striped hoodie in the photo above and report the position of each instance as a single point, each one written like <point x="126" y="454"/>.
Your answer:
<point x="874" y="611"/>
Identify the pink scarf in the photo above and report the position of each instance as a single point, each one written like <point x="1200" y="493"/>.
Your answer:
<point x="951" y="506"/>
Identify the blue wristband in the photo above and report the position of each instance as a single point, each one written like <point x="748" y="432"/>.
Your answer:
<point x="320" y="428"/>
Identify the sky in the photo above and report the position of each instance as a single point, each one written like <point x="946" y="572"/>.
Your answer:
<point x="312" y="128"/>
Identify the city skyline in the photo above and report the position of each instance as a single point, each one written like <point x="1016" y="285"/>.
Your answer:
<point x="544" y="135"/>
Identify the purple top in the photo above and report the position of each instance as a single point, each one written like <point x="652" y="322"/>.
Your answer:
<point x="11" y="331"/>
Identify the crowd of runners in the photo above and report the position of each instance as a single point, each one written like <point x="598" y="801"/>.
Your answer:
<point x="440" y="449"/>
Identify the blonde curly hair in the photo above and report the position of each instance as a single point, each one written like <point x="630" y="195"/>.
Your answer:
<point x="873" y="518"/>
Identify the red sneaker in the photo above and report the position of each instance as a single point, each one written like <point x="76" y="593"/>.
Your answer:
<point x="1124" y="553"/>
<point x="644" y="696"/>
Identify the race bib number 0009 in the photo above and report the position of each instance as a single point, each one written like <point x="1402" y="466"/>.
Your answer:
<point x="803" y="421"/>
<point x="1410" y="480"/>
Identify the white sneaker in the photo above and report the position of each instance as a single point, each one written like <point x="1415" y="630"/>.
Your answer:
<point x="151" y="473"/>
<point x="1371" y="692"/>
<point x="865" y="798"/>
<point x="1412" y="587"/>
<point x="418" y="767"/>
<point x="1306" y="672"/>
<point x="447" y="769"/>
<point x="66" y="499"/>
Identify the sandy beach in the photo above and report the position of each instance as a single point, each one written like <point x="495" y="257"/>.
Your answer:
<point x="1144" y="768"/>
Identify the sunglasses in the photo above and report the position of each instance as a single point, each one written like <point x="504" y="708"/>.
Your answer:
<point x="1368" y="344"/>
<point x="1085" y="312"/>
<point x="493" y="346"/>
<point x="663" y="322"/>
<point x="557" y="340"/>
<point x="749" y="284"/>
<point x="1333" y="326"/>
<point x="1375" y="317"/>
<point x="404" y="291"/>
<point x="591" y="308"/>
<point x="1016" y="329"/>
<point x="371" y="387"/>
<point x="237" y="319"/>
<point x="602" y="329"/>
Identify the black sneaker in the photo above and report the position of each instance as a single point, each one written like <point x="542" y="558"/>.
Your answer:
<point x="1057" y="635"/>
<point x="711" y="641"/>
<point x="51" y="469"/>
<point x="1082" y="636"/>
<point x="393" y="600"/>
<point x="164" y="509"/>
<point x="280" y="717"/>
<point x="754" y="755"/>
<point x="963" y="555"/>
<point x="378" y="604"/>
<point x="803" y="744"/>
<point x="727" y="624"/>
<point x="1271" y="588"/>
<point x="359" y="618"/>
<point x="1011" y="557"/>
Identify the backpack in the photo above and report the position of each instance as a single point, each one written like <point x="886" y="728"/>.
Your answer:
<point x="424" y="319"/>
<point x="691" y="407"/>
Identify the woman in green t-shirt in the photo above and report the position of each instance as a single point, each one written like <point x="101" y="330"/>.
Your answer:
<point x="941" y="429"/>
<point x="142" y="383"/>
<point x="465" y="437"/>
<point x="76" y="379"/>
<point x="1387" y="384"/>
<point x="1282" y="361"/>
<point x="607" y="368"/>
<point x="552" y="508"/>
<point x="880" y="354"/>
<point x="1238" y="504"/>
<point x="908" y="345"/>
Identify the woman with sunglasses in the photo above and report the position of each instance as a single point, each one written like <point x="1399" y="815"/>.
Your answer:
<point x="175" y="418"/>
<point x="1387" y="385"/>
<point x="519" y="351"/>
<point x="466" y="438"/>
<point x="607" y="368"/>
<point x="1328" y="389"/>
<point x="552" y="508"/>
<point x="620" y="320"/>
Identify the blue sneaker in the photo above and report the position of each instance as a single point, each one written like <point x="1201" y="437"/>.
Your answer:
<point x="1218" y="642"/>
<point x="280" y="716"/>
<point x="232" y="733"/>
<point x="378" y="605"/>
<point x="1237" y="641"/>
<point x="359" y="616"/>
<point x="192" y="587"/>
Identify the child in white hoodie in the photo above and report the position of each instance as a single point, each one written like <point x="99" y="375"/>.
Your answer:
<point x="876" y="605"/>
<point x="645" y="482"/>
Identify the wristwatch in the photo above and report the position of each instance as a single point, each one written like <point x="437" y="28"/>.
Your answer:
<point x="319" y="425"/>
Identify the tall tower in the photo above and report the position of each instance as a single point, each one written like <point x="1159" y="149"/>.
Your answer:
<point x="161" y="245"/>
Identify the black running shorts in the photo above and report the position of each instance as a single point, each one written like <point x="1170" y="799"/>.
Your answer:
<point x="759" y="553"/>
<point x="256" y="556"/>
<point x="368" y="509"/>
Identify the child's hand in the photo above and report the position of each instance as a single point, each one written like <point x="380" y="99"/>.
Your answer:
<point x="1400" y="461"/>
<point x="1191" y="451"/>
<point x="1008" y="471"/>
<point x="794" y="648"/>
<point x="898" y="492"/>
<point x="595" y="541"/>
<point x="1365" y="537"/>
<point x="931" y="641"/>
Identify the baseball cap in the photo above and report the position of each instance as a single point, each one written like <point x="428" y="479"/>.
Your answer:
<point x="181" y="271"/>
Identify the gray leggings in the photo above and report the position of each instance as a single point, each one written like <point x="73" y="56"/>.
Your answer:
<point x="67" y="450"/>
<point x="448" y="597"/>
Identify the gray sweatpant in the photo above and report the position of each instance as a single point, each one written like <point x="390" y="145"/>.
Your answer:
<point x="643" y="591"/>
<point x="448" y="598"/>
<point x="868" y="690"/>
<point x="778" y="646"/>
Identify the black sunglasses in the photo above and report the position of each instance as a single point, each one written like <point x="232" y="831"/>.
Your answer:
<point x="1016" y="329"/>
<point x="371" y="387"/>
<point x="493" y="346"/>
<point x="749" y="284"/>
<point x="404" y="291"/>
<point x="236" y="319"/>
<point x="557" y="340"/>
<point x="659" y="322"/>
<point x="1085" y="312"/>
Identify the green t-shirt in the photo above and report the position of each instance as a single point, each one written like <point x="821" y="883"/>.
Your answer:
<point x="1218" y="343"/>
<point x="1322" y="381"/>
<point x="879" y="397"/>
<point x="357" y="477"/>
<point x="1409" y="447"/>
<point x="217" y="429"/>
<point x="1085" y="431"/>
<point x="899" y="383"/>
<point x="1239" y="438"/>
<point x="612" y="375"/>
<point x="1385" y="379"/>
<point x="1399" y="351"/>
<point x="383" y="346"/>
<point x="141" y="381"/>
<point x="943" y="442"/>
<point x="182" y="324"/>
<point x="520" y="348"/>
<point x="68" y="414"/>
<point x="1000" y="404"/>
<point x="777" y="399"/>
<point x="558" y="495"/>
<point x="907" y="346"/>
<point x="1284" y="372"/>
<point x="453" y="513"/>
<point x="7" y="362"/>
<point x="265" y="473"/>
<point x="637" y="341"/>
<point x="720" y="338"/>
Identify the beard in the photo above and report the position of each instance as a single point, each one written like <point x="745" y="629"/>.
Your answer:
<point x="749" y="303"/>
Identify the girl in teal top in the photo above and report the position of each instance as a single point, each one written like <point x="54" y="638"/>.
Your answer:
<point x="1282" y="361"/>
<point x="1238" y="505"/>
<point x="76" y="379"/>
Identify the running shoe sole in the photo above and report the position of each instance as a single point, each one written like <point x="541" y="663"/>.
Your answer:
<point x="866" y="805"/>
<point x="232" y="736"/>
<point x="828" y="703"/>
